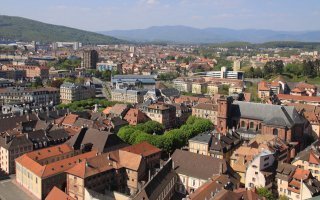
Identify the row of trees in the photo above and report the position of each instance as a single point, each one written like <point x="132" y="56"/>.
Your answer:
<point x="306" y="68"/>
<point x="169" y="140"/>
<point x="86" y="104"/>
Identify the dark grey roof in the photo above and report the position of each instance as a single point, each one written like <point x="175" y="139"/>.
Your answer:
<point x="199" y="166"/>
<point x="9" y="123"/>
<point x="102" y="141"/>
<point x="15" y="142"/>
<point x="285" y="171"/>
<point x="269" y="114"/>
<point x="203" y="138"/>
<point x="152" y="189"/>
<point x="170" y="92"/>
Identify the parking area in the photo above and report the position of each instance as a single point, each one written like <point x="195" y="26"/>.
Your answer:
<point x="10" y="191"/>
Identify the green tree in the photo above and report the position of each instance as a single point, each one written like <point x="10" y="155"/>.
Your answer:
<point x="264" y="192"/>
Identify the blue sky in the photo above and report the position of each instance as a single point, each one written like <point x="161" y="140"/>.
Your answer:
<point x="100" y="15"/>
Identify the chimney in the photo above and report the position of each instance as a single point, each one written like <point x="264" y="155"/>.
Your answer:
<point x="220" y="168"/>
<point x="149" y="177"/>
<point x="27" y="135"/>
<point x="7" y="139"/>
<point x="108" y="156"/>
<point x="48" y="112"/>
<point x="28" y="117"/>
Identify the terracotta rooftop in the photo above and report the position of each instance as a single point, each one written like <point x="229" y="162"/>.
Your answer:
<point x="144" y="149"/>
<point x="299" y="98"/>
<point x="135" y="116"/>
<point x="41" y="154"/>
<point x="57" y="194"/>
<point x="54" y="168"/>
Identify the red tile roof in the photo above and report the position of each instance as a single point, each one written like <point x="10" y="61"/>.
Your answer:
<point x="298" y="98"/>
<point x="57" y="194"/>
<point x="143" y="148"/>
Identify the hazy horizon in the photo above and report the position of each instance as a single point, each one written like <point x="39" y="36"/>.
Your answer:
<point x="106" y="15"/>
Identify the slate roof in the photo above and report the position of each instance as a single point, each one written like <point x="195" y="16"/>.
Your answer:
<point x="269" y="114"/>
<point x="15" y="142"/>
<point x="101" y="141"/>
<point x="187" y="163"/>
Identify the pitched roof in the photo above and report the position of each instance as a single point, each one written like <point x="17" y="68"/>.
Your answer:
<point x="298" y="98"/>
<point x="100" y="140"/>
<point x="134" y="116"/>
<point x="41" y="154"/>
<point x="54" y="168"/>
<point x="206" y="106"/>
<point x="56" y="193"/>
<point x="268" y="113"/>
<point x="187" y="163"/>
<point x="143" y="148"/>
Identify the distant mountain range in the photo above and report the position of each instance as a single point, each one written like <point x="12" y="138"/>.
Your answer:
<point x="22" y="29"/>
<point x="185" y="34"/>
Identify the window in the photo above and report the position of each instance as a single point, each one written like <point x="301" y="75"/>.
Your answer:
<point x="253" y="179"/>
<point x="243" y="124"/>
<point x="280" y="189"/>
<point x="275" y="131"/>
<point x="251" y="125"/>
<point x="289" y="192"/>
<point x="193" y="182"/>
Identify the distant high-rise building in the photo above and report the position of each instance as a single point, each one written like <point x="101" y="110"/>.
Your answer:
<point x="236" y="65"/>
<point x="90" y="59"/>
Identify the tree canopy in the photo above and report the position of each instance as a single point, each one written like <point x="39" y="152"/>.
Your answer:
<point x="169" y="140"/>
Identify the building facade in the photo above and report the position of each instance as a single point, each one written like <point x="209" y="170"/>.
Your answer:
<point x="70" y="92"/>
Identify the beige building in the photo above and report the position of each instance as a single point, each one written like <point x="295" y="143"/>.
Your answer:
<point x="296" y="183"/>
<point x="70" y="92"/>
<point x="183" y="85"/>
<point x="39" y="171"/>
<point x="199" y="88"/>
<point x="235" y="89"/>
<point x="206" y="111"/>
<point x="259" y="172"/>
<point x="165" y="114"/>
<point x="308" y="159"/>
<point x="31" y="71"/>
<point x="128" y="96"/>
<point x="212" y="89"/>
<point x="12" y="147"/>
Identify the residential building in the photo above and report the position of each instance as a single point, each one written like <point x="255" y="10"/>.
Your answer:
<point x="183" y="84"/>
<point x="39" y="171"/>
<point x="161" y="185"/>
<point x="165" y="114"/>
<point x="38" y="96"/>
<point x="206" y="111"/>
<point x="193" y="175"/>
<point x="117" y="170"/>
<point x="212" y="89"/>
<point x="223" y="73"/>
<point x="215" y="144"/>
<point x="216" y="185"/>
<point x="261" y="171"/>
<point x="56" y="193"/>
<point x="31" y="71"/>
<point x="287" y="98"/>
<point x="134" y="116"/>
<point x="149" y="152"/>
<point x="296" y="183"/>
<point x="70" y="92"/>
<point x="309" y="159"/>
<point x="109" y="66"/>
<point x="199" y="87"/>
<point x="128" y="95"/>
<point x="304" y="89"/>
<point x="90" y="59"/>
<point x="13" y="74"/>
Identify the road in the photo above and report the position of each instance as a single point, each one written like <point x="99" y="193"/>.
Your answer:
<point x="10" y="191"/>
<point x="106" y="87"/>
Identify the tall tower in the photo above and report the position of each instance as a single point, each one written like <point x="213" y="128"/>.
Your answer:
<point x="222" y="115"/>
<point x="90" y="59"/>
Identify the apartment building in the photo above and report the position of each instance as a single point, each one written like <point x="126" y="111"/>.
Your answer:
<point x="39" y="171"/>
<point x="260" y="172"/>
<point x="117" y="170"/>
<point x="206" y="111"/>
<point x="38" y="96"/>
<point x="31" y="71"/>
<point x="183" y="84"/>
<point x="214" y="144"/>
<point x="296" y="183"/>
<point x="70" y="92"/>
<point x="165" y="114"/>
<point x="193" y="175"/>
<point x="90" y="59"/>
<point x="128" y="95"/>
